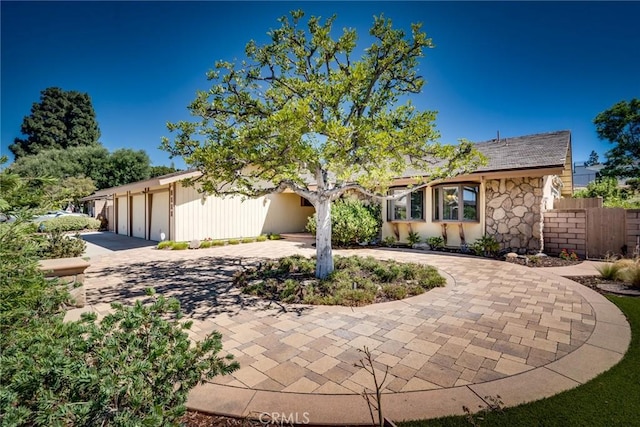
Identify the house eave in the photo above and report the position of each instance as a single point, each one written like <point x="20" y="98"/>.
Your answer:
<point x="483" y="175"/>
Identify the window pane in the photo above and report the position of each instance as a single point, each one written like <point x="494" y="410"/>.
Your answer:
<point x="450" y="203"/>
<point x="470" y="200"/>
<point x="400" y="207"/>
<point x="436" y="204"/>
<point x="417" y="204"/>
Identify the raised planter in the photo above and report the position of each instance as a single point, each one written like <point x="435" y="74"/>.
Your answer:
<point x="70" y="271"/>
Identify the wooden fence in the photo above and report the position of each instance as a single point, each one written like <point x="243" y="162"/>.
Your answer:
<point x="592" y="232"/>
<point x="594" y="202"/>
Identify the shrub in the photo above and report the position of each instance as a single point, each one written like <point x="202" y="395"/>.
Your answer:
<point x="274" y="236"/>
<point x="609" y="270"/>
<point x="134" y="368"/>
<point x="218" y="242"/>
<point x="413" y="238"/>
<point x="435" y="242"/>
<point x="351" y="223"/>
<point x="485" y="246"/>
<point x="630" y="271"/>
<point x="389" y="241"/>
<point x="234" y="241"/>
<point x="261" y="238"/>
<point x="248" y="240"/>
<point x="568" y="256"/>
<point x="89" y="380"/>
<point x="179" y="246"/>
<point x="206" y="244"/>
<point x="70" y="223"/>
<point x="59" y="245"/>
<point x="166" y="244"/>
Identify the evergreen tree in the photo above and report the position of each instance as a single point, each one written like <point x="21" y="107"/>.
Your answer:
<point x="62" y="119"/>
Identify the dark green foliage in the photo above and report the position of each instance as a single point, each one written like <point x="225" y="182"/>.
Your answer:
<point x="435" y="242"/>
<point x="593" y="159"/>
<point x="352" y="222"/>
<point x="620" y="125"/>
<point x="70" y="223"/>
<point x="612" y="195"/>
<point x="161" y="170"/>
<point x="413" y="238"/>
<point x="608" y="400"/>
<point x="125" y="166"/>
<point x="62" y="119"/>
<point x="355" y="281"/>
<point x="485" y="246"/>
<point x="59" y="245"/>
<point x="133" y="368"/>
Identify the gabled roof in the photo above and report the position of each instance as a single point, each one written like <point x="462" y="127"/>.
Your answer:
<point x="542" y="150"/>
<point x="140" y="185"/>
<point x="539" y="151"/>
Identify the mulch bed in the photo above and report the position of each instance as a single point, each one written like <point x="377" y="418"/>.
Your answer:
<point x="198" y="419"/>
<point x="542" y="261"/>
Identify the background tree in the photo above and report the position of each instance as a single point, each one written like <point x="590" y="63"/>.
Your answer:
<point x="302" y="113"/>
<point x="162" y="170"/>
<point x="69" y="191"/>
<point x="62" y="119"/>
<point x="125" y="166"/>
<point x="593" y="159"/>
<point x="620" y="125"/>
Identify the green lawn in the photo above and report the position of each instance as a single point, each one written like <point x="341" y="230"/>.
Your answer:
<point x="611" y="399"/>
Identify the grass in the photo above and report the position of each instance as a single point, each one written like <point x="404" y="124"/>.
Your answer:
<point x="356" y="281"/>
<point x="607" y="400"/>
<point x="625" y="270"/>
<point x="165" y="244"/>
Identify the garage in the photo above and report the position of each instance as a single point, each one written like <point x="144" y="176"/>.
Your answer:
<point x="122" y="208"/>
<point x="159" y="216"/>
<point x="138" y="214"/>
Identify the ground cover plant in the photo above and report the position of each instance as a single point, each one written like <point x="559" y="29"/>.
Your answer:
<point x="356" y="281"/>
<point x="135" y="367"/>
<point x="608" y="400"/>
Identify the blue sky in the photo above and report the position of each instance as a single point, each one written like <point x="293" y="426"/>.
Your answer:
<point x="516" y="67"/>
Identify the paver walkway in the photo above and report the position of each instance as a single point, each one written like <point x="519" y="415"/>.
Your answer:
<point x="495" y="329"/>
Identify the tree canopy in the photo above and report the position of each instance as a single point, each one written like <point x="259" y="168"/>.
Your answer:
<point x="302" y="112"/>
<point x="126" y="165"/>
<point x="593" y="159"/>
<point x="620" y="125"/>
<point x="62" y="119"/>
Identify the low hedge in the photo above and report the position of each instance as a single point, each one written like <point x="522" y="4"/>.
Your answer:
<point x="70" y="223"/>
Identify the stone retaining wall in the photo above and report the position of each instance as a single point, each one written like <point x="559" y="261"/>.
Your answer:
<point x="69" y="271"/>
<point x="565" y="229"/>
<point x="513" y="212"/>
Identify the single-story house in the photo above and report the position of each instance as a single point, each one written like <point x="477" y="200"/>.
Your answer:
<point x="504" y="198"/>
<point x="162" y="208"/>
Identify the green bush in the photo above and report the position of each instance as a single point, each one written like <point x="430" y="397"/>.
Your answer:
<point x="218" y="243"/>
<point x="206" y="244"/>
<point x="234" y="241"/>
<point x="70" y="223"/>
<point x="133" y="368"/>
<point x="166" y="244"/>
<point x="435" y="242"/>
<point x="274" y="237"/>
<point x="179" y="246"/>
<point x="261" y="238"/>
<point x="59" y="245"/>
<point x="413" y="238"/>
<point x="248" y="240"/>
<point x="389" y="241"/>
<point x="610" y="270"/>
<point x="351" y="223"/>
<point x="485" y="246"/>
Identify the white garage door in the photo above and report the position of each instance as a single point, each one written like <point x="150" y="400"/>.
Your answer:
<point x="159" y="216"/>
<point x="139" y="214"/>
<point x="123" y="217"/>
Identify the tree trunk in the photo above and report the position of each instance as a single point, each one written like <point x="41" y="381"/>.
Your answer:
<point x="324" y="263"/>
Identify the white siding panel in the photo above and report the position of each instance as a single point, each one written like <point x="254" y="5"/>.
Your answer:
<point x="159" y="216"/>
<point x="123" y="217"/>
<point x="216" y="217"/>
<point x="139" y="216"/>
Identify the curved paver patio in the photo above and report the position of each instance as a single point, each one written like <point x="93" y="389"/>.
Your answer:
<point x="495" y="329"/>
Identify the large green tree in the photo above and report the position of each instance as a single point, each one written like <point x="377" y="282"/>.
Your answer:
<point x="303" y="113"/>
<point x="62" y="119"/>
<point x="126" y="165"/>
<point x="620" y="125"/>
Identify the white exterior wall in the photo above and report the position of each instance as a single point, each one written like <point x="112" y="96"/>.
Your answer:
<point x="123" y="215"/>
<point x="159" y="216"/>
<point x="216" y="218"/>
<point x="138" y="216"/>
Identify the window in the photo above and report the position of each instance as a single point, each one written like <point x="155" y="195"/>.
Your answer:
<point x="409" y="207"/>
<point x="455" y="202"/>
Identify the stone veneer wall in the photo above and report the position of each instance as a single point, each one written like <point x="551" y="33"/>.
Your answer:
<point x="513" y="212"/>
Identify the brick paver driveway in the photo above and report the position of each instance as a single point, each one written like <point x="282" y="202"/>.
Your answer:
<point x="496" y="328"/>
